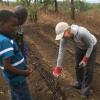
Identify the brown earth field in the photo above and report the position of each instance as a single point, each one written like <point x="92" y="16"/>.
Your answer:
<point x="43" y="51"/>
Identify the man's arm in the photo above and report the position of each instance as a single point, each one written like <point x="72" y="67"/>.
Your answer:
<point x="57" y="69"/>
<point x="61" y="53"/>
<point x="90" y="41"/>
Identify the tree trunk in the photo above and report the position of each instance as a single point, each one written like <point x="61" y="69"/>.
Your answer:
<point x="56" y="6"/>
<point x="8" y="2"/>
<point x="72" y="10"/>
<point x="45" y="5"/>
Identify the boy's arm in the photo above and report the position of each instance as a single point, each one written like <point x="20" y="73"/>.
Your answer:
<point x="8" y="67"/>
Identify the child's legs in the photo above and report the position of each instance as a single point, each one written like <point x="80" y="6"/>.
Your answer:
<point x="88" y="74"/>
<point x="25" y="53"/>
<point x="79" y="71"/>
<point x="20" y="92"/>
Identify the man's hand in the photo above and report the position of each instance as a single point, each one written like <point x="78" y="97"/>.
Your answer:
<point x="84" y="62"/>
<point x="57" y="71"/>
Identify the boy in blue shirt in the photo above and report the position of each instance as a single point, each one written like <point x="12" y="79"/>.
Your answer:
<point x="11" y="60"/>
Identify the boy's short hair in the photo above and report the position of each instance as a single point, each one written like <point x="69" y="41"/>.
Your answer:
<point x="21" y="13"/>
<point x="6" y="15"/>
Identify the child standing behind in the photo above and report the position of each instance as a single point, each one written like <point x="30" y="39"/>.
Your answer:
<point x="11" y="60"/>
<point x="21" y="12"/>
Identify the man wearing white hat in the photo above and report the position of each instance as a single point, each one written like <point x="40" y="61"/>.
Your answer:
<point x="85" y="54"/>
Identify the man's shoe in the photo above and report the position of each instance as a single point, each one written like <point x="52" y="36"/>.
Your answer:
<point x="76" y="87"/>
<point x="84" y="97"/>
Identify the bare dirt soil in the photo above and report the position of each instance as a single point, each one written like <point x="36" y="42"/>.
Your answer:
<point x="44" y="49"/>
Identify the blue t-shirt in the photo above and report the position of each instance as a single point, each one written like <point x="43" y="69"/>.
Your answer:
<point x="9" y="49"/>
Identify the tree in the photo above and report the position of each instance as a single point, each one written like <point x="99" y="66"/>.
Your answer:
<point x="25" y="2"/>
<point x="56" y="6"/>
<point x="72" y="10"/>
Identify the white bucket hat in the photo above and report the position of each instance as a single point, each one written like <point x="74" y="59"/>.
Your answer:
<point x="59" y="29"/>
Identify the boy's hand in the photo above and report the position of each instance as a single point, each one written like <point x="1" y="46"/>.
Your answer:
<point x="28" y="71"/>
